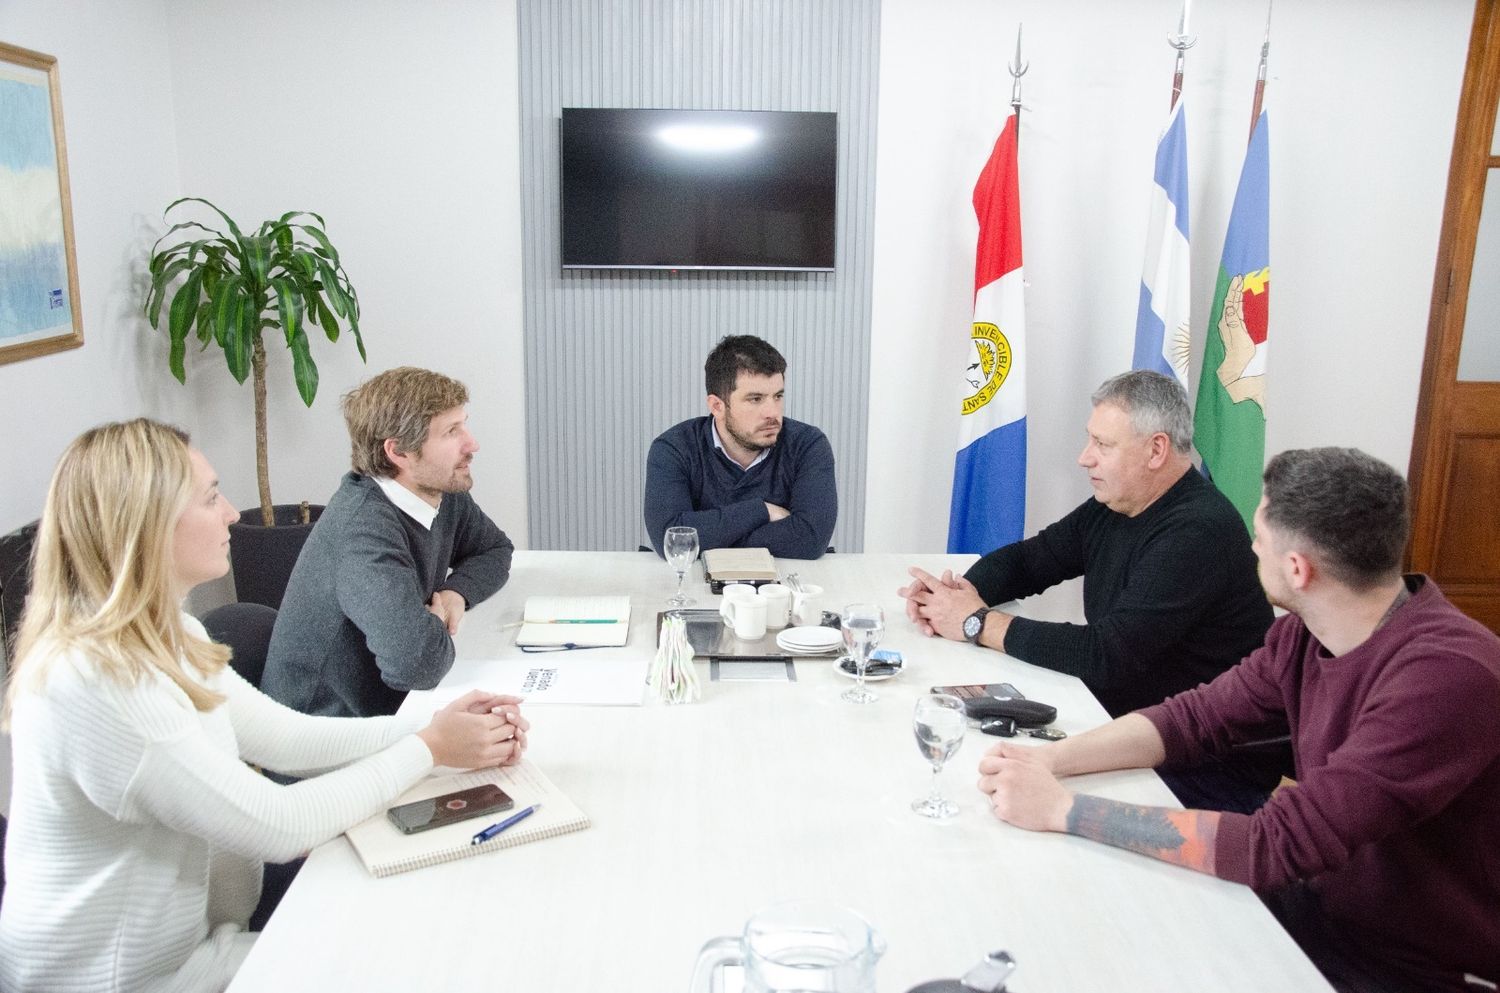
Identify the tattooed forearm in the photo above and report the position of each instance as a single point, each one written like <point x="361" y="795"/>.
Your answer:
<point x="1182" y="837"/>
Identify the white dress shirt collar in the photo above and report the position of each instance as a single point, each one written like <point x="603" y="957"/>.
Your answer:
<point x="408" y="502"/>
<point x="719" y="444"/>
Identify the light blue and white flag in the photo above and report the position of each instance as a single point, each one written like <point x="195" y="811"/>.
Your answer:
<point x="1163" y="338"/>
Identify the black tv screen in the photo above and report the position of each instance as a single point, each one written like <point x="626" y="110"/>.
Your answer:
<point x="698" y="189"/>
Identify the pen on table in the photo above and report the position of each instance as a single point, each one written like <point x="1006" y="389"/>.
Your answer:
<point x="495" y="829"/>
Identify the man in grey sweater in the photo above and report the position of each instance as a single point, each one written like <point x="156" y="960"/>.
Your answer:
<point x="398" y="556"/>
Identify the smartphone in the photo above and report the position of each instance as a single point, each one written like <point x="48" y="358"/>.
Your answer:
<point x="1003" y="691"/>
<point x="450" y="808"/>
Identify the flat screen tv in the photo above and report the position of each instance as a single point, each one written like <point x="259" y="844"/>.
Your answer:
<point x="698" y="189"/>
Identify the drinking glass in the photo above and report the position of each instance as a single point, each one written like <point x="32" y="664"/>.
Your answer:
<point x="681" y="547"/>
<point x="863" y="624"/>
<point x="939" y="722"/>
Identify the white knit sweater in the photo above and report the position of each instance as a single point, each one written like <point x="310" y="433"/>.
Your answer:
<point x="137" y="833"/>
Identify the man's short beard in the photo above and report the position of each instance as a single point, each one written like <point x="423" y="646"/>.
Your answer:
<point x="749" y="444"/>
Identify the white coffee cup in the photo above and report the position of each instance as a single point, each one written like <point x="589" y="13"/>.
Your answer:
<point x="807" y="606"/>
<point x="778" y="605"/>
<point x="733" y="591"/>
<point x="747" y="615"/>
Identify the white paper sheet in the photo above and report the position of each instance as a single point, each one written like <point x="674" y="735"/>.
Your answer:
<point x="552" y="677"/>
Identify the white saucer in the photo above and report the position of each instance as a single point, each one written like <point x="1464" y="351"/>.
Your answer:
<point x="809" y="640"/>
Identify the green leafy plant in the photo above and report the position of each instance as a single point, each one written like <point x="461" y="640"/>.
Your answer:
<point x="229" y="288"/>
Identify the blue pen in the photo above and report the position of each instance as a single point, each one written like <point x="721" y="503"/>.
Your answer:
<point x="495" y="829"/>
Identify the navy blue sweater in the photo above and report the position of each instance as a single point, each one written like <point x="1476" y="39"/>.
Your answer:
<point x="690" y="483"/>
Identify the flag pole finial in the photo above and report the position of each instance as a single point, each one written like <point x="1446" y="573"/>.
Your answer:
<point x="1182" y="41"/>
<point x="1017" y="70"/>
<point x="1260" y="72"/>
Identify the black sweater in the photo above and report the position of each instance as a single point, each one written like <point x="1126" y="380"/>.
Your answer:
<point x="1171" y="595"/>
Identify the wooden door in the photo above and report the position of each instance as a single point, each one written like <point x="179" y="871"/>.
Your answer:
<point x="1455" y="462"/>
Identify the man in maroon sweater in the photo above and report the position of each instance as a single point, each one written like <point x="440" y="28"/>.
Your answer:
<point x="1383" y="860"/>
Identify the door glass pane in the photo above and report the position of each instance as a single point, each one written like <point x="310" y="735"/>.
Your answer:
<point x="1479" y="358"/>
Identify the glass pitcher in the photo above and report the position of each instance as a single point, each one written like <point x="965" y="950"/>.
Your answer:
<point x="806" y="947"/>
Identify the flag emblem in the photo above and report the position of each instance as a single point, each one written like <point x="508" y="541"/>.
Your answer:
<point x="1230" y="433"/>
<point x="987" y="374"/>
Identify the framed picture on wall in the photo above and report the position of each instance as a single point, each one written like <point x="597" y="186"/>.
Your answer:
<point x="39" y="308"/>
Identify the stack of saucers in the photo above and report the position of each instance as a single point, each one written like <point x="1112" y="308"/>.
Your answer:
<point x="810" y="640"/>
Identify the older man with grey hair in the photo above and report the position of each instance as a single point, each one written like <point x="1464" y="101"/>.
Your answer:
<point x="1169" y="586"/>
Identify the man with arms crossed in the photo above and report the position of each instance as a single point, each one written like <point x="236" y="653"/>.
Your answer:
<point x="744" y="476"/>
<point x="400" y="553"/>
<point x="1383" y="860"/>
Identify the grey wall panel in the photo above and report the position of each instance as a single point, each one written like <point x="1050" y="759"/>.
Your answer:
<point x="614" y="357"/>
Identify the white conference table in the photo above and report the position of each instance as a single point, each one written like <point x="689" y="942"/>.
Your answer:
<point x="762" y="792"/>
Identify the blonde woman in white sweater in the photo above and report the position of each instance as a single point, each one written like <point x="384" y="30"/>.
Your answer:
<point x="137" y="831"/>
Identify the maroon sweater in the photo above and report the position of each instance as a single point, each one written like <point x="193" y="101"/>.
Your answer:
<point x="1395" y="818"/>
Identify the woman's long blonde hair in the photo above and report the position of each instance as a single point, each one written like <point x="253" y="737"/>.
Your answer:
<point x="102" y="580"/>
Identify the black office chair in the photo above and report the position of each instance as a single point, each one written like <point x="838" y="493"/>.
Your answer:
<point x="246" y="629"/>
<point x="15" y="583"/>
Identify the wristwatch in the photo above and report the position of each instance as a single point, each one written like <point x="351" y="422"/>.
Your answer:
<point x="974" y="624"/>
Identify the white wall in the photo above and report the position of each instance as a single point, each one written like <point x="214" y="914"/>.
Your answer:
<point x="1362" y="98"/>
<point x="122" y="157"/>
<point x="397" y="121"/>
<point x="405" y="138"/>
<point x="122" y="160"/>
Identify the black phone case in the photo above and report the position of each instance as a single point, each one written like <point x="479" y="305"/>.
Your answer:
<point x="438" y="820"/>
<point x="1026" y="713"/>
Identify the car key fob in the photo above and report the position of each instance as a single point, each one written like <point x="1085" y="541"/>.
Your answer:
<point x="1026" y="713"/>
<point x="1004" y="727"/>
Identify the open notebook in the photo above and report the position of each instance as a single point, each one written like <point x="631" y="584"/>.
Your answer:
<point x="584" y="621"/>
<point x="385" y="851"/>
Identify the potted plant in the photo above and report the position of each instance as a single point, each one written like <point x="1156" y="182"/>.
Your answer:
<point x="226" y="289"/>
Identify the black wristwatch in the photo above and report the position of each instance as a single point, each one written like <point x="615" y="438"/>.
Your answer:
<point x="974" y="624"/>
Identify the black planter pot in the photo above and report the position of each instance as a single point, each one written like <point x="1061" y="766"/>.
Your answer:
<point x="262" y="558"/>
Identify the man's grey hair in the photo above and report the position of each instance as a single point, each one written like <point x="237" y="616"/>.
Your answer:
<point x="1154" y="403"/>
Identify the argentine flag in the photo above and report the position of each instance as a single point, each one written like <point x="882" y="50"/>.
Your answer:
<point x="989" y="473"/>
<point x="1162" y="336"/>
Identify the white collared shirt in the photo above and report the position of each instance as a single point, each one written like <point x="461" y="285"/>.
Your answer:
<point x="408" y="502"/>
<point x="719" y="444"/>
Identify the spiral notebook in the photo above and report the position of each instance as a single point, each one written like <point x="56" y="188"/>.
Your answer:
<point x="385" y="851"/>
<point x="575" y="621"/>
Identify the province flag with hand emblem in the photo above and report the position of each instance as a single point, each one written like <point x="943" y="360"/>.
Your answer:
<point x="1229" y="425"/>
<point x="989" y="473"/>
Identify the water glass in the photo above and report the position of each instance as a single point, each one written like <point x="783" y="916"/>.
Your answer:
<point x="681" y="548"/>
<point x="939" y="722"/>
<point x="863" y="624"/>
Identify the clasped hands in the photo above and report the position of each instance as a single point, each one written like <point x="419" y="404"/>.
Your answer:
<point x="1022" y="788"/>
<point x="938" y="606"/>
<point x="477" y="730"/>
